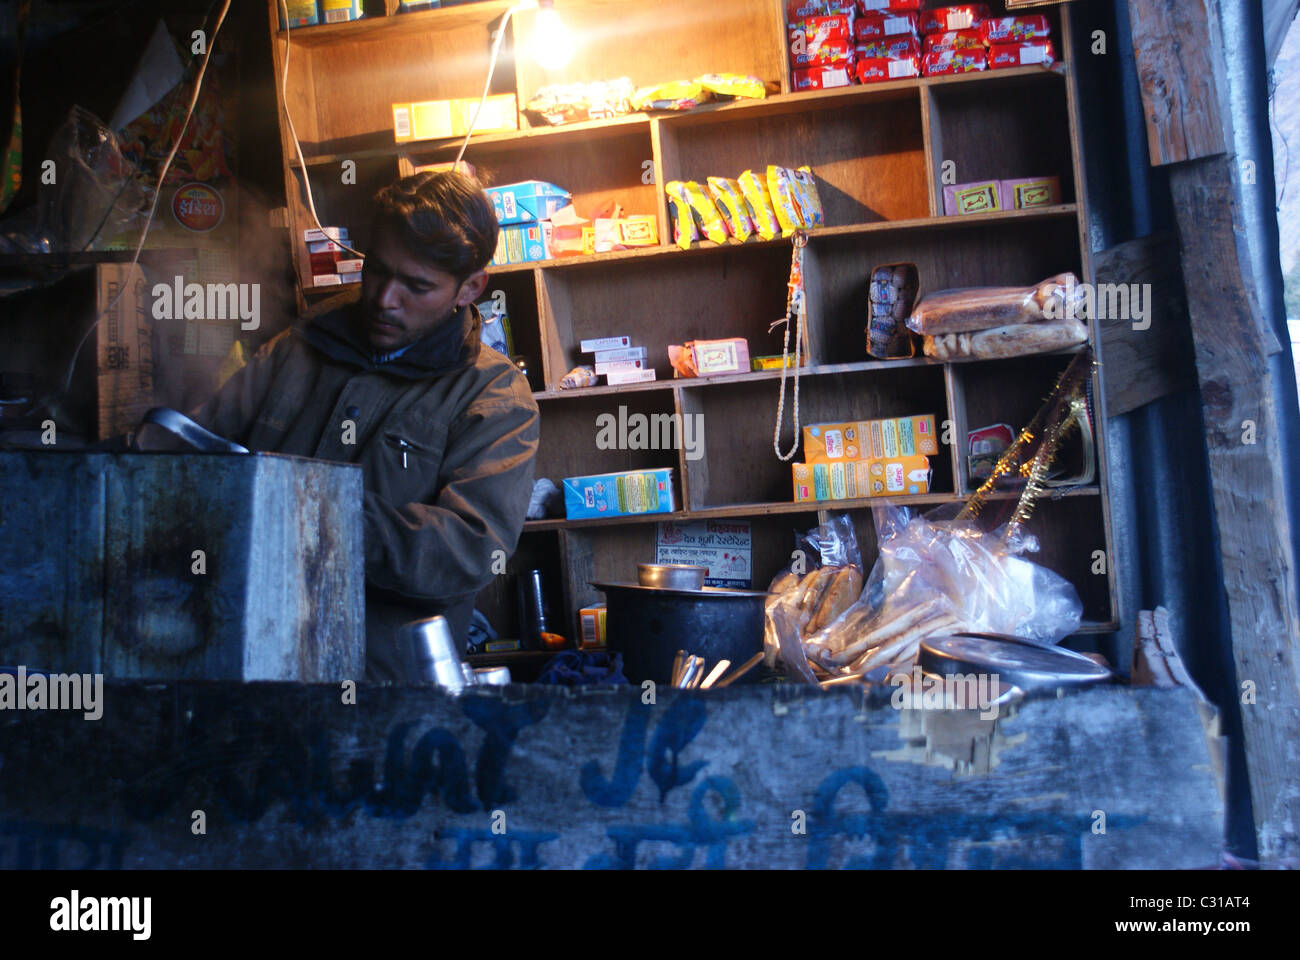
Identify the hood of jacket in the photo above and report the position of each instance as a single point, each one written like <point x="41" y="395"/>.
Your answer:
<point x="452" y="345"/>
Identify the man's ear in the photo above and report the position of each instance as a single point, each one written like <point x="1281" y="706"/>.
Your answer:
<point x="472" y="288"/>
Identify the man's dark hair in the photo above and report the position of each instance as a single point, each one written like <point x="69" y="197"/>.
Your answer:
<point x="445" y="217"/>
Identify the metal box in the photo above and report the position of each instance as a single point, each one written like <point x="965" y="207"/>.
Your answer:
<point x="169" y="566"/>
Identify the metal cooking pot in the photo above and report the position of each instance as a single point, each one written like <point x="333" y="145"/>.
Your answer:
<point x="648" y="625"/>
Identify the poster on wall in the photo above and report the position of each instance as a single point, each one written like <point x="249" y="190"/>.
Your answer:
<point x="723" y="546"/>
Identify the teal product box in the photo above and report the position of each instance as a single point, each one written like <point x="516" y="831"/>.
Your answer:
<point x="523" y="243"/>
<point x="339" y="11"/>
<point x="527" y="201"/>
<point x="619" y="494"/>
<point x="302" y="13"/>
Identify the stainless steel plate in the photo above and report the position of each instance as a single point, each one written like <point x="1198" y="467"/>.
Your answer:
<point x="1026" y="663"/>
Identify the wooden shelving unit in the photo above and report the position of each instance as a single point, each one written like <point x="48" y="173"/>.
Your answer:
<point x="879" y="153"/>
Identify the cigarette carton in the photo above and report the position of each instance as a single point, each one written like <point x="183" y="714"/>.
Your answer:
<point x="605" y="343"/>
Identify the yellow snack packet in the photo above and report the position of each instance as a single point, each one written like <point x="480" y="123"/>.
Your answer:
<point x="805" y="193"/>
<point x="780" y="184"/>
<point x="731" y="204"/>
<point x="676" y="95"/>
<point x="733" y="85"/>
<point x="754" y="187"/>
<point x="679" y="207"/>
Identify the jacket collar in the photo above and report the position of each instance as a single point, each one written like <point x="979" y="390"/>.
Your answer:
<point x="339" y="335"/>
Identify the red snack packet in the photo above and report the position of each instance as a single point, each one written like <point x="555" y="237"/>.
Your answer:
<point x="938" y="62"/>
<point x="954" y="40"/>
<point x="962" y="17"/>
<point x="798" y="9"/>
<point x="876" y="6"/>
<point x="817" y="30"/>
<point x="821" y="78"/>
<point x="1029" y="53"/>
<point x="874" y="26"/>
<point x="1014" y="29"/>
<point x="826" y="54"/>
<point x="890" y="48"/>
<point x="878" y="69"/>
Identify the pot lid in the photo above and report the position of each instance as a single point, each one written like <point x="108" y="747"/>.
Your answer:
<point x="722" y="592"/>
<point x="1028" y="664"/>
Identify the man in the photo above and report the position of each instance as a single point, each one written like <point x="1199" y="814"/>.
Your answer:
<point x="445" y="430"/>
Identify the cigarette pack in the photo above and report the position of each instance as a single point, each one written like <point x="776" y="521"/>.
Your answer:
<point x="877" y="69"/>
<point x="893" y="6"/>
<point x="961" y="17"/>
<point x="820" y="78"/>
<point x="317" y="234"/>
<point x="619" y="377"/>
<point x="938" y="62"/>
<point x="618" y="366"/>
<point x="963" y="198"/>
<point x="1014" y="29"/>
<point x="954" y="40"/>
<point x="328" y="246"/>
<point x="889" y="48"/>
<point x="326" y="280"/>
<point x="625" y="353"/>
<point x="877" y="26"/>
<point x="350" y="266"/>
<point x="619" y="494"/>
<point x="1026" y="54"/>
<point x="1031" y="192"/>
<point x="591" y="623"/>
<point x="605" y="343"/>
<point x="527" y="201"/>
<point x="349" y="278"/>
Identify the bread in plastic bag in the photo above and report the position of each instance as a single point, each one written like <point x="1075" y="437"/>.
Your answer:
<point x="966" y="309"/>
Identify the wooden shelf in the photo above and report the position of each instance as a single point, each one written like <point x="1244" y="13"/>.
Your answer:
<point x="881" y="154"/>
<point x="376" y="29"/>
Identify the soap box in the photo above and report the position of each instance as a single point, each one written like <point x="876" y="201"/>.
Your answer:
<point x="527" y="201"/>
<point x="619" y="494"/>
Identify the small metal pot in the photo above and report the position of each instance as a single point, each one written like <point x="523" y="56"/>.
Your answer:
<point x="648" y="625"/>
<point x="671" y="576"/>
<point x="433" y="649"/>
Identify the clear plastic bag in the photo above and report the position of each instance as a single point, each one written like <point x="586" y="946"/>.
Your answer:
<point x="937" y="575"/>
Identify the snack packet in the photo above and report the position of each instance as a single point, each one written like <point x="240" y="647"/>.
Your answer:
<point x="805" y="194"/>
<point x="780" y="184"/>
<point x="731" y="205"/>
<point x="754" y="187"/>
<point x="733" y="85"/>
<point x="675" y="95"/>
<point x="688" y="194"/>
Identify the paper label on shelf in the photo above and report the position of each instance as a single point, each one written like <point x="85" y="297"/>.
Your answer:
<point x="723" y="546"/>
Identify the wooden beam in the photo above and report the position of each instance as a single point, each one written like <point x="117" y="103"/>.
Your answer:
<point x="1152" y="358"/>
<point x="1232" y="344"/>
<point x="1173" y="42"/>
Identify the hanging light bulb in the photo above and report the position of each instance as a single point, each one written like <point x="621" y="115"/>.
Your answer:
<point x="552" y="42"/>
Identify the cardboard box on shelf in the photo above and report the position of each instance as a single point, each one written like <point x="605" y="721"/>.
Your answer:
<point x="591" y="621"/>
<point x="605" y="343"/>
<point x="869" y="439"/>
<point x="853" y="479"/>
<point x="441" y="119"/>
<point x="619" y="494"/>
<point x="527" y="201"/>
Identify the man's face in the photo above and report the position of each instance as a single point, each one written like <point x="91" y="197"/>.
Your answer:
<point x="405" y="297"/>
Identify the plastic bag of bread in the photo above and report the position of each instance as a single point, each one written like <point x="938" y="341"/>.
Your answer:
<point x="937" y="575"/>
<point x="1014" y="340"/>
<point x="966" y="309"/>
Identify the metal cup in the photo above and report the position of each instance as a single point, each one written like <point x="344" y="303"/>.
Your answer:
<point x="433" y="649"/>
<point x="493" y="676"/>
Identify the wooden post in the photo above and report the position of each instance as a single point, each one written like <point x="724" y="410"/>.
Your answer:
<point x="1180" y="67"/>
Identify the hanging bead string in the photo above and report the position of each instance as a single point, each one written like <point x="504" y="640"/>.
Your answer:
<point x="795" y="311"/>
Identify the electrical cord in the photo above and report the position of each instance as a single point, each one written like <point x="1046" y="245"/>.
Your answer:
<point x="492" y="68"/>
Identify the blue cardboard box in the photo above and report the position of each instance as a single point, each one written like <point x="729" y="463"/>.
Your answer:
<point x="527" y="201"/>
<point x="619" y="494"/>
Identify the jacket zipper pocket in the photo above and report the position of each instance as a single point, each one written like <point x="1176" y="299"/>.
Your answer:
<point x="401" y="443"/>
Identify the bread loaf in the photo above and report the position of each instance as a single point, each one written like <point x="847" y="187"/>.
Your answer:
<point x="983" y="308"/>
<point x="1012" y="340"/>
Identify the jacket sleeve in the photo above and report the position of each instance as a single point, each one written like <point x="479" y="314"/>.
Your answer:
<point x="231" y="410"/>
<point x="445" y="549"/>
